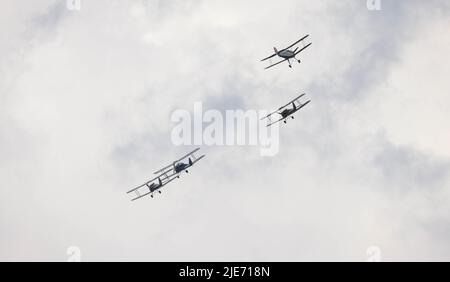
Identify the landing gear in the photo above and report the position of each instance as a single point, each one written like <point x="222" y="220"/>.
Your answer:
<point x="187" y="171"/>
<point x="159" y="192"/>
<point x="292" y="117"/>
<point x="289" y="63"/>
<point x="285" y="121"/>
<point x="151" y="195"/>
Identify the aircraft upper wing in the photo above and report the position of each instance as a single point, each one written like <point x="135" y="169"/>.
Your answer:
<point x="271" y="56"/>
<point x="275" y="64"/>
<point x="165" y="170"/>
<point x="292" y="101"/>
<point x="187" y="155"/>
<point x="297" y="42"/>
<point x="303" y="48"/>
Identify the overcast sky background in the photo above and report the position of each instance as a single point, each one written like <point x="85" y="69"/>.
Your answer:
<point x="85" y="104"/>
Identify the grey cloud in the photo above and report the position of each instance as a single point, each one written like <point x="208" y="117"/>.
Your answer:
<point x="407" y="169"/>
<point x="379" y="38"/>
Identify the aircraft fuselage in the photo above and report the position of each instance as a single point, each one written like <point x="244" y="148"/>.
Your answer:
<point x="286" y="54"/>
<point x="180" y="167"/>
<point x="287" y="113"/>
<point x="153" y="187"/>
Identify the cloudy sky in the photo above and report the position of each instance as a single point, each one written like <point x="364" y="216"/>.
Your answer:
<point x="86" y="98"/>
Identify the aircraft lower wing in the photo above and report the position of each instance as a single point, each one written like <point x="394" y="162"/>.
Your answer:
<point x="270" y="57"/>
<point x="141" y="196"/>
<point x="194" y="161"/>
<point x="276" y="64"/>
<point x="197" y="159"/>
<point x="270" y="124"/>
<point x="269" y="115"/>
<point x="303" y="48"/>
<point x="301" y="106"/>
<point x="304" y="104"/>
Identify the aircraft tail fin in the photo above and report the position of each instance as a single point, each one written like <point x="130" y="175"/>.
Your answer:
<point x="275" y="49"/>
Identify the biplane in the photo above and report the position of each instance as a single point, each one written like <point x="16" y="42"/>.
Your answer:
<point x="178" y="166"/>
<point x="150" y="187"/>
<point x="166" y="175"/>
<point x="287" y="54"/>
<point x="285" y="112"/>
